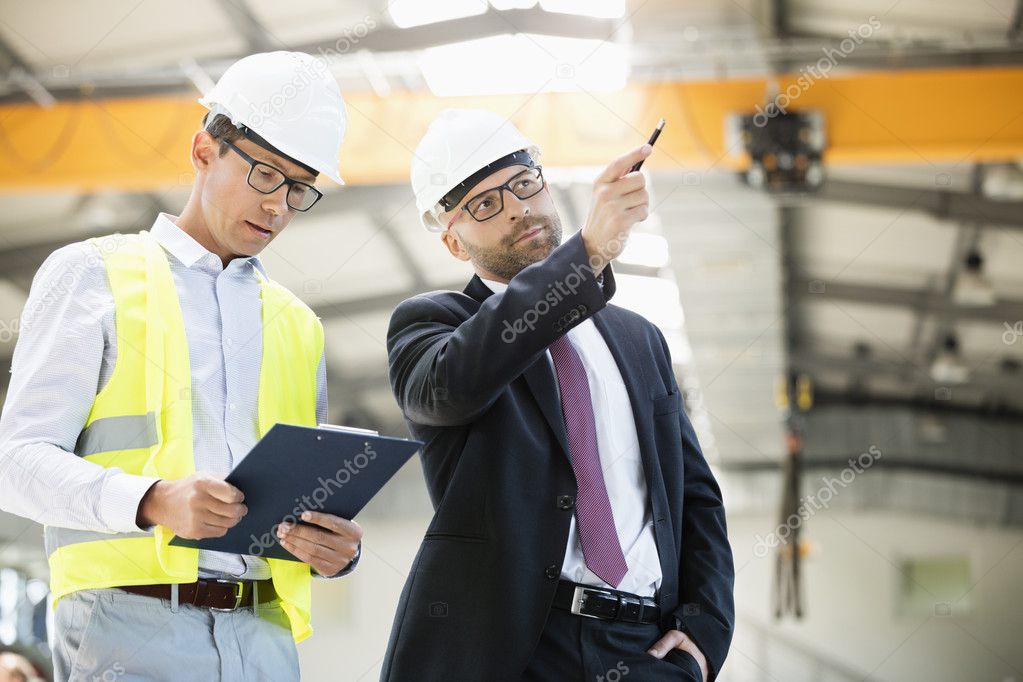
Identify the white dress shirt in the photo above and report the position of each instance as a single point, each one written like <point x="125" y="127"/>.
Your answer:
<point x="66" y="353"/>
<point x="618" y="446"/>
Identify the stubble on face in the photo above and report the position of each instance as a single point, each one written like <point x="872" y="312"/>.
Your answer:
<point x="510" y="256"/>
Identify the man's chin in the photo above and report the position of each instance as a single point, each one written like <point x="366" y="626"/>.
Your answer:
<point x="247" y="248"/>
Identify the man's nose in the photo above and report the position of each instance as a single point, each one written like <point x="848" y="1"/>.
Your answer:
<point x="277" y="201"/>
<point x="514" y="207"/>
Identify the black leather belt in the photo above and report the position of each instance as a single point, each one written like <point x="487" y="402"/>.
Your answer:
<point x="606" y="604"/>
<point x="218" y="595"/>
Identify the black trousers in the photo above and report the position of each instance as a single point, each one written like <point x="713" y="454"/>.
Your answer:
<point x="591" y="650"/>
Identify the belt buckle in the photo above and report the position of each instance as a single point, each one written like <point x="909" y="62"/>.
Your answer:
<point x="624" y="612"/>
<point x="578" y="599"/>
<point x="239" y="591"/>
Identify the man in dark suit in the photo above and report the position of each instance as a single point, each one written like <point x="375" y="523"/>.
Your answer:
<point x="579" y="533"/>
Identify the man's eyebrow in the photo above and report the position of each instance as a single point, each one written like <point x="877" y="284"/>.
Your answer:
<point x="270" y="161"/>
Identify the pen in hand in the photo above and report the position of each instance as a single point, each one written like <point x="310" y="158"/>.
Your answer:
<point x="653" y="138"/>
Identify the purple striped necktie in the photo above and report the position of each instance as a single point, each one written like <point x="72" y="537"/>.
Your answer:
<point x="602" y="550"/>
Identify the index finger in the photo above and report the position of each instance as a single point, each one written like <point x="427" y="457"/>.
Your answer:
<point x="224" y="491"/>
<point x="623" y="163"/>
<point x="333" y="523"/>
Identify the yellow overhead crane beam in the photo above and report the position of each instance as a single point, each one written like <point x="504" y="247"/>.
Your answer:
<point x="895" y="117"/>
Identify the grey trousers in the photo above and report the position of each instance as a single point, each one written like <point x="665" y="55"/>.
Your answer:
<point x="113" y="636"/>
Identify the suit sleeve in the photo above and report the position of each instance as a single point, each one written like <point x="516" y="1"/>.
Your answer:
<point x="706" y="610"/>
<point x="446" y="370"/>
<point x="706" y="572"/>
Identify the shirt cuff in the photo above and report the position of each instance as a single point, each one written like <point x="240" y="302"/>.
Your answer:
<point x="119" y="504"/>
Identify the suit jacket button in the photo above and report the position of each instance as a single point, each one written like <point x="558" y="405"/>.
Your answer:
<point x="552" y="572"/>
<point x="565" y="502"/>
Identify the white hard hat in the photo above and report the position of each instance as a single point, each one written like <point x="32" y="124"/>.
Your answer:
<point x="457" y="144"/>
<point x="291" y="100"/>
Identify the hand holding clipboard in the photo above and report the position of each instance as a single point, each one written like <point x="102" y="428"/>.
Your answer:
<point x="295" y="469"/>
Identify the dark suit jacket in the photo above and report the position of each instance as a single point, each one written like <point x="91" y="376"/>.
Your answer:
<point x="469" y="372"/>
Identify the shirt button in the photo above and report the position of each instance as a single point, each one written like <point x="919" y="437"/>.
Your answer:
<point x="552" y="572"/>
<point x="231" y="406"/>
<point x="229" y="342"/>
<point x="565" y="502"/>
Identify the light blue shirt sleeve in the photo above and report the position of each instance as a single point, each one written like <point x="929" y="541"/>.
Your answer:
<point x="55" y="376"/>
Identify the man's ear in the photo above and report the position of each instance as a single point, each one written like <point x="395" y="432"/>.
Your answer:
<point x="454" y="244"/>
<point x="204" y="150"/>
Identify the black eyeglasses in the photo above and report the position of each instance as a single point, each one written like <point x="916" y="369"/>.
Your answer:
<point x="266" y="179"/>
<point x="490" y="203"/>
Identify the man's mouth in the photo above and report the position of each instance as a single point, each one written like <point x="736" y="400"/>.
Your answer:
<point x="530" y="233"/>
<point x="260" y="231"/>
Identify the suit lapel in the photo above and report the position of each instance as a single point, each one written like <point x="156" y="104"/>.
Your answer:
<point x="539" y="376"/>
<point x="628" y="356"/>
<point x="623" y="349"/>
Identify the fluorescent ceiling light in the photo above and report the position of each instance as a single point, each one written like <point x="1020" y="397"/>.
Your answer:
<point x="948" y="367"/>
<point x="972" y="287"/>
<point x="974" y="290"/>
<point x="407" y="13"/>
<point x="524" y="63"/>
<point x="602" y="9"/>
<point x="512" y="4"/>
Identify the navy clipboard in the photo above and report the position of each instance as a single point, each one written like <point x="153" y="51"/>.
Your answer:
<point x="299" y="468"/>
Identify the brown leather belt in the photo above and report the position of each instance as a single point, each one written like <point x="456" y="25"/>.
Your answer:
<point x="218" y="595"/>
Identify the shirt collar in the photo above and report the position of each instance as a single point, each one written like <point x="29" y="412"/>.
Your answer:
<point x="499" y="287"/>
<point x="496" y="287"/>
<point x="185" y="248"/>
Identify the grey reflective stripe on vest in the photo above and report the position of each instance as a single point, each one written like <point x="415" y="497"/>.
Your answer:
<point x="62" y="537"/>
<point x="129" y="432"/>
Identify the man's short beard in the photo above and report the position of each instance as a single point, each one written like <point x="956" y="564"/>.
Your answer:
<point x="504" y="261"/>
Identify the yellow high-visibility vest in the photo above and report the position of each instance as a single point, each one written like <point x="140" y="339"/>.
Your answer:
<point x="141" y="421"/>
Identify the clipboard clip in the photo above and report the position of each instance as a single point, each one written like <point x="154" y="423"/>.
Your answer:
<point x="350" y="429"/>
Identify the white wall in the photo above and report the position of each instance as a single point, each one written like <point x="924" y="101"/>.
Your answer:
<point x="851" y="587"/>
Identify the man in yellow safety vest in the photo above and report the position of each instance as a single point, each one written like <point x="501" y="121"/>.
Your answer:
<point x="148" y="365"/>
